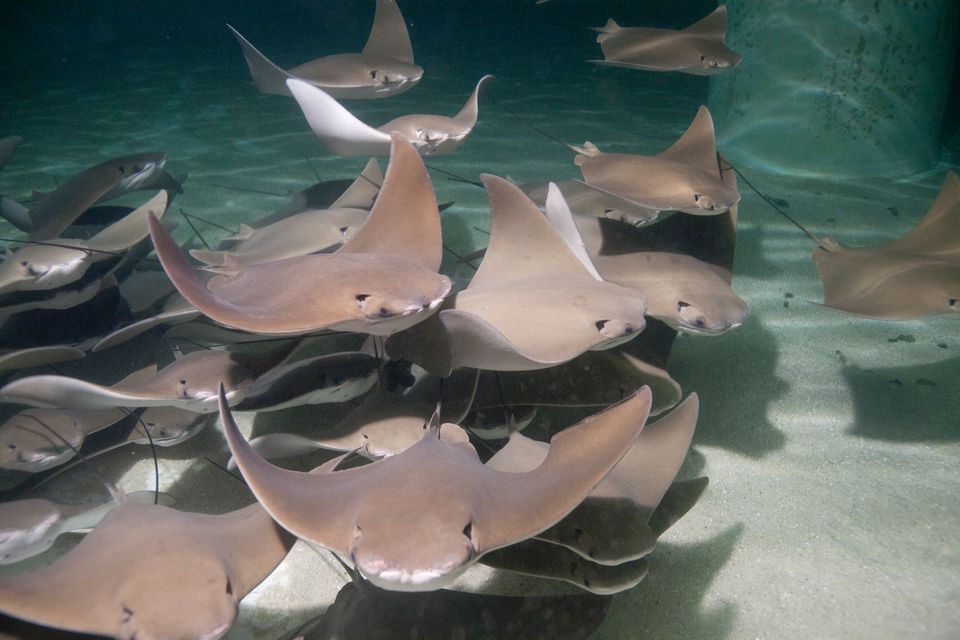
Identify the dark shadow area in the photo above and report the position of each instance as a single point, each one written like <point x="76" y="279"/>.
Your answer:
<point x="735" y="376"/>
<point x="669" y="600"/>
<point x="906" y="404"/>
<point x="364" y="612"/>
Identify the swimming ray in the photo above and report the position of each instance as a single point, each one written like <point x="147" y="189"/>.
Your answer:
<point x="128" y="579"/>
<point x="384" y="68"/>
<point x="914" y="276"/>
<point x="531" y="303"/>
<point x="55" y="264"/>
<point x="310" y="231"/>
<point x="383" y="280"/>
<point x="699" y="49"/>
<point x="611" y="525"/>
<point x="416" y="520"/>
<point x="343" y="134"/>
<point x="686" y="177"/>
<point x="58" y="209"/>
<point x="188" y="383"/>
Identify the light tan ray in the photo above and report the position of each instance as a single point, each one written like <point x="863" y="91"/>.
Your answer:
<point x="148" y="571"/>
<point x="345" y="135"/>
<point x="699" y="49"/>
<point x="384" y="68"/>
<point x="915" y="276"/>
<point x="416" y="520"/>
<point x="383" y="280"/>
<point x="686" y="177"/>
<point x="532" y="304"/>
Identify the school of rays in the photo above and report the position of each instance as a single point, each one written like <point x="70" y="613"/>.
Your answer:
<point x="575" y="302"/>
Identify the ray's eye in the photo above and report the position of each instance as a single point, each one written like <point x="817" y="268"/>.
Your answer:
<point x="127" y="614"/>
<point x="696" y="197"/>
<point x="952" y="303"/>
<point x="373" y="74"/>
<point x="681" y="305"/>
<point x="468" y="531"/>
<point x="229" y="587"/>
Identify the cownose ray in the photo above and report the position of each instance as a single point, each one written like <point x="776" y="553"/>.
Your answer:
<point x="594" y="379"/>
<point x="152" y="572"/>
<point x="303" y="233"/>
<point x="39" y="356"/>
<point x="383" y="280"/>
<point x="330" y="377"/>
<point x="51" y="265"/>
<point x="687" y="294"/>
<point x="30" y="526"/>
<point x="416" y="520"/>
<point x="384" y="68"/>
<point x="364" y="611"/>
<point x="189" y="382"/>
<point x="685" y="177"/>
<point x="37" y="439"/>
<point x="359" y="193"/>
<point x="175" y="310"/>
<point x="589" y="200"/>
<point x="345" y="135"/>
<point x="14" y="212"/>
<point x="914" y="276"/>
<point x="611" y="526"/>
<point x="699" y="49"/>
<point x="58" y="209"/>
<point x="531" y="304"/>
<point x="556" y="562"/>
<point x="683" y="265"/>
<point x="384" y="424"/>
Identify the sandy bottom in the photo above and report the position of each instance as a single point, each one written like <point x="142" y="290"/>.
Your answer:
<point x="831" y="442"/>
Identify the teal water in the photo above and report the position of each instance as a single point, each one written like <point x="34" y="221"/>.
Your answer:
<point x="831" y="442"/>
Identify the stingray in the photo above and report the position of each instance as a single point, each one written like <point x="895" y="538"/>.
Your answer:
<point x="384" y="424"/>
<point x="149" y="571"/>
<point x="687" y="294"/>
<point x="383" y="280"/>
<point x="611" y="526"/>
<point x="686" y="177"/>
<point x="39" y="439"/>
<point x="914" y="276"/>
<point x="39" y="356"/>
<point x="31" y="526"/>
<point x="330" y="194"/>
<point x="303" y="233"/>
<point x="174" y="311"/>
<point x="416" y="520"/>
<point x="58" y="209"/>
<point x="594" y="379"/>
<point x="188" y="383"/>
<point x="343" y="134"/>
<point x="699" y="49"/>
<point x="384" y="68"/>
<point x="589" y="200"/>
<point x="556" y="562"/>
<point x="364" y="612"/>
<point x="333" y="377"/>
<point x="46" y="266"/>
<point x="532" y="304"/>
